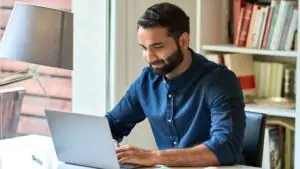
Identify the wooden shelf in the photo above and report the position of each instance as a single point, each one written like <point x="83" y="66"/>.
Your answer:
<point x="271" y="111"/>
<point x="234" y="49"/>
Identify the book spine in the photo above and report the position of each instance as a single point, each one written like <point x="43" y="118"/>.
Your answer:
<point x="245" y="24"/>
<point x="251" y="27"/>
<point x="238" y="33"/>
<point x="273" y="22"/>
<point x="282" y="14"/>
<point x="267" y="30"/>
<point x="291" y="31"/>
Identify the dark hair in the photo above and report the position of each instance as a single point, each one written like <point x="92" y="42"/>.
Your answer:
<point x="166" y="15"/>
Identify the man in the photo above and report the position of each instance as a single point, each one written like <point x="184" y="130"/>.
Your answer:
<point x="195" y="107"/>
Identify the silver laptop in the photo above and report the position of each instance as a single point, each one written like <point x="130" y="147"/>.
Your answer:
<point x="83" y="140"/>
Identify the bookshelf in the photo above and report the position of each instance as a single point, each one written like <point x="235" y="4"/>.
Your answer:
<point x="244" y="50"/>
<point x="211" y="37"/>
<point x="268" y="110"/>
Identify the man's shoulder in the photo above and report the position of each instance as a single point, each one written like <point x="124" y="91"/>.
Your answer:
<point x="213" y="72"/>
<point x="204" y="64"/>
<point x="222" y="74"/>
<point x="210" y="68"/>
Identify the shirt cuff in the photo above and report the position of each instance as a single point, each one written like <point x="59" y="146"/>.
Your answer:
<point x="223" y="151"/>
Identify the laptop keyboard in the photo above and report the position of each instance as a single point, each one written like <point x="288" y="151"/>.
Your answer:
<point x="129" y="166"/>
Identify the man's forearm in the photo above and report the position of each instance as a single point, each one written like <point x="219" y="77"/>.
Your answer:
<point x="199" y="155"/>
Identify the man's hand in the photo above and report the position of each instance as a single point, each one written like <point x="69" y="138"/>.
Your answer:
<point x="134" y="155"/>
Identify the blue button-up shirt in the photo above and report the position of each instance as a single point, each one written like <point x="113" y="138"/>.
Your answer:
<point x="204" y="105"/>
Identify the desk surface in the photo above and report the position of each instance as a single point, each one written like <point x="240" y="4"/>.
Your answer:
<point x="163" y="167"/>
<point x="17" y="153"/>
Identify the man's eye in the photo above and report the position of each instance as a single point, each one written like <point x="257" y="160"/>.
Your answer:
<point x="158" y="46"/>
<point x="143" y="47"/>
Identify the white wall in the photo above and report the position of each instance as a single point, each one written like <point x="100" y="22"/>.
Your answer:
<point x="91" y="34"/>
<point x="127" y="56"/>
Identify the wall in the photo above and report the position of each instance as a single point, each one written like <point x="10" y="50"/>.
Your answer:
<point x="91" y="39"/>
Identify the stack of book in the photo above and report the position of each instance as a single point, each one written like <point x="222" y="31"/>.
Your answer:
<point x="260" y="79"/>
<point x="262" y="26"/>
<point x="275" y="79"/>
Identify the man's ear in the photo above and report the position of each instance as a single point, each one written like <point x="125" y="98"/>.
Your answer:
<point x="184" y="40"/>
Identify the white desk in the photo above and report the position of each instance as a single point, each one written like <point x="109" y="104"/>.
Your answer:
<point x="17" y="153"/>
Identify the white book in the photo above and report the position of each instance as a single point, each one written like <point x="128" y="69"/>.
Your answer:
<point x="267" y="84"/>
<point x="273" y="79"/>
<point x="286" y="27"/>
<point x="262" y="79"/>
<point x="279" y="80"/>
<point x="282" y="13"/>
<point x="265" y="12"/>
<point x="257" y="76"/>
<point x="256" y="30"/>
<point x="291" y="31"/>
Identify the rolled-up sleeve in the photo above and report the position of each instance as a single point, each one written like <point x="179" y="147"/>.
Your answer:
<point x="126" y="114"/>
<point x="226" y="103"/>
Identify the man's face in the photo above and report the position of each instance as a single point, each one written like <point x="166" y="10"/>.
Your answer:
<point x="160" y="51"/>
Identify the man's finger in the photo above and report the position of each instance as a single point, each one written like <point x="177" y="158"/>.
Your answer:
<point x="124" y="154"/>
<point x="126" y="160"/>
<point x="122" y="148"/>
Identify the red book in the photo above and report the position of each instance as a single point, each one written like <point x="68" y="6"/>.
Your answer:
<point x="245" y="24"/>
<point x="238" y="31"/>
<point x="237" y="6"/>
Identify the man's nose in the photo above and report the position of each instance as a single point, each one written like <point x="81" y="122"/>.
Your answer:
<point x="149" y="56"/>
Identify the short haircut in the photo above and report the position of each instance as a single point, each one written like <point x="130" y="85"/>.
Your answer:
<point x="168" y="16"/>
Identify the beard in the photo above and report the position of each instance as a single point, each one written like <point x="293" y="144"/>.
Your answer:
<point x="169" y="64"/>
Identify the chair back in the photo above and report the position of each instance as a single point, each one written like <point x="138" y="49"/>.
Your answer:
<point x="10" y="108"/>
<point x="254" y="138"/>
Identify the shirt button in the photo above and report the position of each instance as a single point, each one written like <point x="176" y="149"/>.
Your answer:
<point x="170" y="96"/>
<point x="169" y="120"/>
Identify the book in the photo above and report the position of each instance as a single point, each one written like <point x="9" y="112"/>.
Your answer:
<point x="237" y="5"/>
<point x="286" y="27"/>
<point x="265" y="11"/>
<point x="239" y="27"/>
<point x="267" y="29"/>
<point x="251" y="26"/>
<point x="273" y="22"/>
<point x="291" y="31"/>
<point x="279" y="25"/>
<point x="245" y="24"/>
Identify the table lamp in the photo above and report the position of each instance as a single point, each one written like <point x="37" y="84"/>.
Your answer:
<point x="40" y="36"/>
